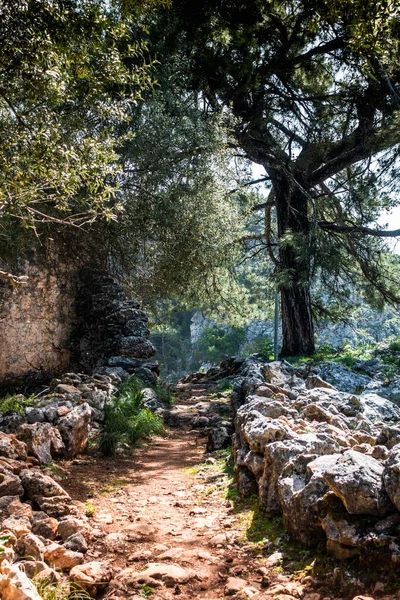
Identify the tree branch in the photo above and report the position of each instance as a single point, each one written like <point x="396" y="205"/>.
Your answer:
<point x="328" y="226"/>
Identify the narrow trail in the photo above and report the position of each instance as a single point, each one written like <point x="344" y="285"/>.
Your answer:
<point x="166" y="504"/>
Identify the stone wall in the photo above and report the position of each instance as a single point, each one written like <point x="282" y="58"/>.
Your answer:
<point x="36" y="320"/>
<point x="68" y="316"/>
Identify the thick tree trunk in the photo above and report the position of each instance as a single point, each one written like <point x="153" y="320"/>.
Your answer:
<point x="294" y="267"/>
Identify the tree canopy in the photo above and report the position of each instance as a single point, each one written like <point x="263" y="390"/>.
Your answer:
<point x="69" y="70"/>
<point x="312" y="89"/>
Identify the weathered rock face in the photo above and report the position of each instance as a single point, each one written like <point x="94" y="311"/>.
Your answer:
<point x="42" y="440"/>
<point x="64" y="316"/>
<point x="36" y="320"/>
<point x="110" y="325"/>
<point x="326" y="460"/>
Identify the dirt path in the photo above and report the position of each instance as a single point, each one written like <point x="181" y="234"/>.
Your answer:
<point x="167" y="504"/>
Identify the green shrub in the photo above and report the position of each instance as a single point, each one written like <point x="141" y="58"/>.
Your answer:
<point x="126" y="421"/>
<point x="260" y="345"/>
<point x="394" y="346"/>
<point x="216" y="343"/>
<point x="134" y="385"/>
<point x="16" y="402"/>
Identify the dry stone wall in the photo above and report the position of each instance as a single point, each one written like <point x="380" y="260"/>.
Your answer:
<point x="36" y="321"/>
<point x="69" y="318"/>
<point x="326" y="460"/>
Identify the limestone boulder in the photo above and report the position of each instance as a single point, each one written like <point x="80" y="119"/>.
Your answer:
<point x="29" y="546"/>
<point x="258" y="431"/>
<point x="342" y="378"/>
<point x="92" y="577"/>
<point x="391" y="476"/>
<point x="70" y="526"/>
<point x="42" y="440"/>
<point x="76" y="542"/>
<point x="56" y="506"/>
<point x="59" y="557"/>
<point x="301" y="489"/>
<point x="74" y="429"/>
<point x="44" y="525"/>
<point x="38" y="486"/>
<point x="15" y="585"/>
<point x="10" y="447"/>
<point x="218" y="438"/>
<point x="168" y="574"/>
<point x="278" y="454"/>
<point x="10" y="484"/>
<point x="151" y="400"/>
<point x="19" y="509"/>
<point x="356" y="479"/>
<point x="18" y="526"/>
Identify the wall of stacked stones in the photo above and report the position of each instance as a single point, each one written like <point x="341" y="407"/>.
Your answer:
<point x="327" y="461"/>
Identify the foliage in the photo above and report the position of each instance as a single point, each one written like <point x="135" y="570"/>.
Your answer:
<point x="69" y="72"/>
<point x="3" y="539"/>
<point x="126" y="421"/>
<point x="16" y="402"/>
<point x="146" y="591"/>
<point x="394" y="345"/>
<point x="174" y="237"/>
<point x="346" y="354"/>
<point x="134" y="385"/>
<point x="217" y="343"/>
<point x="260" y="345"/>
<point x="63" y="590"/>
<point x="90" y="508"/>
<point x="309" y="91"/>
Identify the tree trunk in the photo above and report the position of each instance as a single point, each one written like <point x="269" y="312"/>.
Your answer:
<point x="294" y="268"/>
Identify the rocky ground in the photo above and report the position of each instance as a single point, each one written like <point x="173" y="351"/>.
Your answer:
<point x="168" y="519"/>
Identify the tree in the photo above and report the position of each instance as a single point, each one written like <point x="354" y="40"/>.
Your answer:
<point x="69" y="70"/>
<point x="312" y="87"/>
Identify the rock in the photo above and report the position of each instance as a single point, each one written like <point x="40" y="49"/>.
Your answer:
<point x="234" y="585"/>
<point x="39" y="486"/>
<point x="274" y="559"/>
<point x="42" y="440"/>
<point x="74" y="429"/>
<point x="357" y="480"/>
<point x="19" y="526"/>
<point x="61" y="558"/>
<point x="10" y="447"/>
<point x="391" y="476"/>
<point x="76" y="542"/>
<point x="56" y="506"/>
<point x="34" y="415"/>
<point x="31" y="547"/>
<point x="15" y="585"/>
<point x="313" y="381"/>
<point x="10" y="484"/>
<point x="48" y="576"/>
<point x="70" y="526"/>
<point x="32" y="567"/>
<point x="221" y="539"/>
<point x="140" y="531"/>
<point x="71" y="392"/>
<point x="92" y="577"/>
<point x="218" y="438"/>
<point x="301" y="490"/>
<point x="278" y="454"/>
<point x="19" y="509"/>
<point x="343" y="378"/>
<point x="150" y="399"/>
<point x="170" y="575"/>
<point x="44" y="526"/>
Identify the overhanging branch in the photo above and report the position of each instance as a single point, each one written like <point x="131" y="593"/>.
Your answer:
<point x="328" y="226"/>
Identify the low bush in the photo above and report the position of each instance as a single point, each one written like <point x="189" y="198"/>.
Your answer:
<point x="126" y="421"/>
<point x="16" y="403"/>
